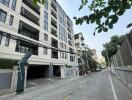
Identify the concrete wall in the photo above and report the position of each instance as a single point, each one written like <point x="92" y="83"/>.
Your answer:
<point x="5" y="79"/>
<point x="125" y="74"/>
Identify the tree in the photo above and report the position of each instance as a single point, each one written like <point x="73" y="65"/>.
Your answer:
<point x="112" y="46"/>
<point x="105" y="13"/>
<point x="90" y="63"/>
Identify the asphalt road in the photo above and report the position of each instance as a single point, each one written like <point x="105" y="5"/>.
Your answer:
<point x="94" y="86"/>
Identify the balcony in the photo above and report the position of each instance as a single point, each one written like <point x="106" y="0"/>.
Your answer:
<point x="70" y="43"/>
<point x="23" y="47"/>
<point x="71" y="50"/>
<point x="28" y="31"/>
<point x="69" y="29"/>
<point x="29" y="3"/>
<point x="53" y="32"/>
<point x="53" y="14"/>
<point x="28" y="15"/>
<point x="54" y="54"/>
<point x="69" y="36"/>
<point x="69" y="24"/>
<point x="53" y="5"/>
<point x="53" y="23"/>
<point x="54" y="43"/>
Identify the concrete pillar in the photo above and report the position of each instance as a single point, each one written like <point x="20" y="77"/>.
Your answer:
<point x="14" y="79"/>
<point x="63" y="72"/>
<point x="26" y="68"/>
<point x="15" y="76"/>
<point x="50" y="74"/>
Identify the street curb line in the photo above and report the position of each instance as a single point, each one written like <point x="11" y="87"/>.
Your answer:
<point x="113" y="89"/>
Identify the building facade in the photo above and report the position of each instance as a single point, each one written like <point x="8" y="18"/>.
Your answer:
<point x="45" y="30"/>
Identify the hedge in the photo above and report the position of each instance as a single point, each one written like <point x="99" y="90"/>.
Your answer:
<point x="7" y="63"/>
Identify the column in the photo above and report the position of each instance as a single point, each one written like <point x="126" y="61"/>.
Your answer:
<point x="14" y="79"/>
<point x="50" y="71"/>
<point x="15" y="76"/>
<point x="63" y="72"/>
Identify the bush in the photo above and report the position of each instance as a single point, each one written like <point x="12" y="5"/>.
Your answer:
<point x="7" y="63"/>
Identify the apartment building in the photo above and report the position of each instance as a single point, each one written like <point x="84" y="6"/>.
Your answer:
<point x="79" y="45"/>
<point x="45" y="30"/>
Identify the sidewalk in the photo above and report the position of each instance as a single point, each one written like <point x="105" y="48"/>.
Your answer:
<point x="122" y="91"/>
<point x="49" y="86"/>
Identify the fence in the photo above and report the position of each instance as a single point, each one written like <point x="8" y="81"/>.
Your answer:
<point x="121" y="62"/>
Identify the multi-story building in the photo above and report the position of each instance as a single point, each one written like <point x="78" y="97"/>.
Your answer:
<point x="45" y="30"/>
<point x="79" y="45"/>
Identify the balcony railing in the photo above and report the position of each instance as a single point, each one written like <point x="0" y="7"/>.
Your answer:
<point x="28" y="33"/>
<point x="31" y="6"/>
<point x="69" y="29"/>
<point x="54" y="15"/>
<point x="54" y="54"/>
<point x="70" y="43"/>
<point x="26" y="16"/>
<point x="69" y="36"/>
<point x="53" y="24"/>
<point x="53" y="33"/>
<point x="53" y="6"/>
<point x="23" y="47"/>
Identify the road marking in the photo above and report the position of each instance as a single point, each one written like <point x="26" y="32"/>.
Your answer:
<point x="113" y="89"/>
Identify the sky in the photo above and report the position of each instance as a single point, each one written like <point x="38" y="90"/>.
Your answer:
<point x="97" y="41"/>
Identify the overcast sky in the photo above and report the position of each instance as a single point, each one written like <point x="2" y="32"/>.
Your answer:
<point x="97" y="41"/>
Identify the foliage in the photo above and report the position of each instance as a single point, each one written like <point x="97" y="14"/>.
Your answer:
<point x="7" y="63"/>
<point x="105" y="13"/>
<point x="112" y="46"/>
<point x="88" y="60"/>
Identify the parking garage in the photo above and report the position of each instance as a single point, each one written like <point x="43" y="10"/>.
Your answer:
<point x="42" y="71"/>
<point x="37" y="71"/>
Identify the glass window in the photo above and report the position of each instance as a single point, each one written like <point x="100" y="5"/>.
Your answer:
<point x="13" y="5"/>
<point x="2" y="16"/>
<point x="62" y="55"/>
<point x="45" y="37"/>
<point x="45" y="20"/>
<point x="45" y="51"/>
<point x="0" y="37"/>
<point x="46" y="4"/>
<point x="5" y="39"/>
<point x="5" y="2"/>
<point x="11" y="20"/>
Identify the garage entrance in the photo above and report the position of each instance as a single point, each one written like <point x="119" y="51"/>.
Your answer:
<point x="37" y="71"/>
<point x="56" y="71"/>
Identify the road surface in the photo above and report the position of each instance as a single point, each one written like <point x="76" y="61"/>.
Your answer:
<point x="94" y="86"/>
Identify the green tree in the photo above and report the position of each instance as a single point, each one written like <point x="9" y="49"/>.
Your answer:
<point x="112" y="46"/>
<point x="105" y="13"/>
<point x="90" y="63"/>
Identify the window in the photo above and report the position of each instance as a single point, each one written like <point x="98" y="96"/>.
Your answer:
<point x="5" y="2"/>
<point x="45" y="20"/>
<point x="66" y="56"/>
<point x="4" y="39"/>
<point x="7" y="40"/>
<point x="11" y="20"/>
<point x="77" y="45"/>
<point x="62" y="55"/>
<point x="46" y="4"/>
<point x="45" y="37"/>
<point x="45" y="51"/>
<point x="13" y="5"/>
<point x="2" y="16"/>
<point x="0" y="37"/>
